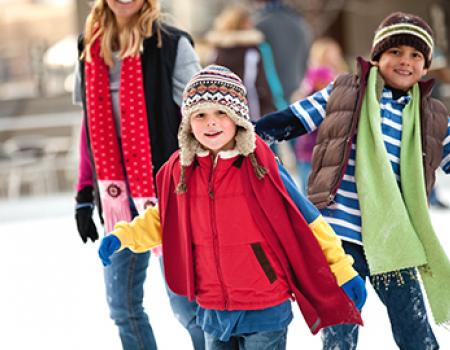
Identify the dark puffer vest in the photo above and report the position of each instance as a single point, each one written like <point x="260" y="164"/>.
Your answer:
<point x="335" y="134"/>
<point x="164" y="115"/>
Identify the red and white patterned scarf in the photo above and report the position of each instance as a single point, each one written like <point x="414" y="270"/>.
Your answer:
<point x="136" y="148"/>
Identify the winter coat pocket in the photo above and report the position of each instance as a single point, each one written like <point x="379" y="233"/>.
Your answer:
<point x="261" y="256"/>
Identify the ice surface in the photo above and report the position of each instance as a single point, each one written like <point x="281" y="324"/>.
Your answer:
<point x="52" y="293"/>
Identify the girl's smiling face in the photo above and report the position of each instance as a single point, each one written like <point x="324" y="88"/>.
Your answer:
<point x="401" y="67"/>
<point x="124" y="10"/>
<point x="214" y="129"/>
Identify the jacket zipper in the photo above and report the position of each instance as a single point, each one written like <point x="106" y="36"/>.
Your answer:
<point x="215" y="237"/>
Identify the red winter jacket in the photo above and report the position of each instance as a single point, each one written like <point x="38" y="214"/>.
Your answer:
<point x="234" y="266"/>
<point x="290" y="246"/>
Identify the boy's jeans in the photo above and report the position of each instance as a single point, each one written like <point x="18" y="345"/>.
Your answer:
<point x="273" y="340"/>
<point x="404" y="303"/>
<point x="124" y="280"/>
<point x="185" y="311"/>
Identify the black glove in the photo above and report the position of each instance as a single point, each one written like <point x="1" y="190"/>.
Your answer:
<point x="279" y="126"/>
<point x="83" y="214"/>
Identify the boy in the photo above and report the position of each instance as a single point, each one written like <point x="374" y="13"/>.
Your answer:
<point x="380" y="139"/>
<point x="232" y="237"/>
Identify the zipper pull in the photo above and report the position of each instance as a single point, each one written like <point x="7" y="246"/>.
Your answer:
<point x="210" y="191"/>
<point x="210" y="184"/>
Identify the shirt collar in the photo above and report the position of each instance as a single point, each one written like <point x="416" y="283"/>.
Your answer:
<point x="388" y="94"/>
<point x="228" y="154"/>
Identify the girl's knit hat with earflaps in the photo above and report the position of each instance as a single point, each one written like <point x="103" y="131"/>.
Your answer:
<point x="216" y="87"/>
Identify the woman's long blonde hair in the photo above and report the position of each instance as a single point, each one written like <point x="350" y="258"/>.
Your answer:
<point x="101" y="22"/>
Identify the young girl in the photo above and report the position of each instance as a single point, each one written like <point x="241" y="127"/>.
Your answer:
<point x="130" y="78"/>
<point x="324" y="64"/>
<point x="232" y="237"/>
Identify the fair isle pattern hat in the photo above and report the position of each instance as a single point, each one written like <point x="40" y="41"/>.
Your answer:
<point x="215" y="87"/>
<point x="403" y="29"/>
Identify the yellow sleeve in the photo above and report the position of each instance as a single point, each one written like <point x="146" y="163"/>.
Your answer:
<point x="142" y="234"/>
<point x="340" y="263"/>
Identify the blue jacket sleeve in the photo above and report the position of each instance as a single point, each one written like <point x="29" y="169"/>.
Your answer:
<point x="309" y="211"/>
<point x="279" y="126"/>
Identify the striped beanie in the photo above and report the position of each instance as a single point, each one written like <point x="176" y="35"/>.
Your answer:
<point x="215" y="87"/>
<point x="403" y="29"/>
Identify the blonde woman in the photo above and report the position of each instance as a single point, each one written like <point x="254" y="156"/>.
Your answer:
<point x="130" y="77"/>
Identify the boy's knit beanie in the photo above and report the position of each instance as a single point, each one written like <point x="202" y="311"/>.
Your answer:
<point x="403" y="29"/>
<point x="215" y="87"/>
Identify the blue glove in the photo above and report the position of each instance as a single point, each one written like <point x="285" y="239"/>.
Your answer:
<point x="356" y="291"/>
<point x="108" y="246"/>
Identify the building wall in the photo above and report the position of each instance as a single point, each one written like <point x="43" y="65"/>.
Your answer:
<point x="26" y="31"/>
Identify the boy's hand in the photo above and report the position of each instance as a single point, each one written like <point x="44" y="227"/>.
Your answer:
<point x="356" y="291"/>
<point x="108" y="246"/>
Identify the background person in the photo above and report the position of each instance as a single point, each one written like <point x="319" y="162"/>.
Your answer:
<point x="440" y="71"/>
<point x="239" y="46"/>
<point x="325" y="63"/>
<point x="289" y="36"/>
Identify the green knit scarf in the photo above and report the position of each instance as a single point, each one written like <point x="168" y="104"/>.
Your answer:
<point x="396" y="227"/>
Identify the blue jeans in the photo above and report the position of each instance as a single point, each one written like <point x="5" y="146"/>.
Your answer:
<point x="404" y="302"/>
<point x="124" y="280"/>
<point x="272" y="340"/>
<point x="185" y="311"/>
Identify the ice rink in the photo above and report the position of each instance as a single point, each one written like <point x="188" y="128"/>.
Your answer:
<point x="52" y="293"/>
